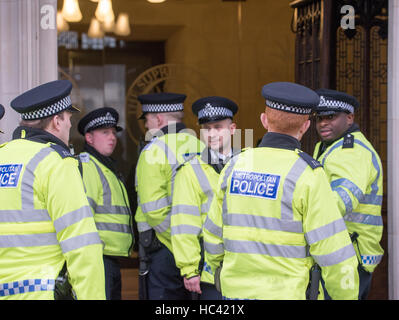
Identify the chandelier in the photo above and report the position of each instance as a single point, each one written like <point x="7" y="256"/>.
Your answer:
<point x="103" y="20"/>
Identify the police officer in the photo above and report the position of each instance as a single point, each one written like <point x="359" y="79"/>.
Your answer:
<point x="355" y="174"/>
<point x="1" y="114"/>
<point x="195" y="186"/>
<point x="155" y="175"/>
<point x="275" y="212"/>
<point x="106" y="192"/>
<point x="45" y="218"/>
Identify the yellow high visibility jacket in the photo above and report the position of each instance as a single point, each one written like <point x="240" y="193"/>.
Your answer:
<point x="273" y="217"/>
<point x="195" y="186"/>
<point x="45" y="221"/>
<point x="355" y="174"/>
<point x="109" y="200"/>
<point x="155" y="176"/>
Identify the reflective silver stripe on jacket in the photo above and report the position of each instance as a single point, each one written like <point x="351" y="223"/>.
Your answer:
<point x="204" y="184"/>
<point x="186" y="209"/>
<point x="371" y="198"/>
<point x="362" y="218"/>
<point x="286" y="223"/>
<point x="167" y="201"/>
<point x="107" y="206"/>
<point x="214" y="248"/>
<point x="116" y="227"/>
<point x="143" y="226"/>
<point x="325" y="231"/>
<point x="156" y="204"/>
<point x="288" y="188"/>
<point x="27" y="193"/>
<point x="28" y="240"/>
<point x="185" y="229"/>
<point x="286" y="251"/>
<point x="193" y="210"/>
<point x="335" y="257"/>
<point x="29" y="214"/>
<point x="261" y="222"/>
<point x="213" y="228"/>
<point x="80" y="241"/>
<point x="72" y="217"/>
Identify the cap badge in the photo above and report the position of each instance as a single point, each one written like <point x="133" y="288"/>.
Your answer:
<point x="208" y="107"/>
<point x="109" y="117"/>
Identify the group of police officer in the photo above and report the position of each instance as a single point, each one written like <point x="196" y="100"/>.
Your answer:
<point x="214" y="222"/>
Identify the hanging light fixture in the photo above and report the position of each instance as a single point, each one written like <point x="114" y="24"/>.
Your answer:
<point x="95" y="30"/>
<point x="104" y="10"/>
<point x="71" y="11"/>
<point x="122" y="27"/>
<point x="62" y="24"/>
<point x="156" y="1"/>
<point x="109" y="24"/>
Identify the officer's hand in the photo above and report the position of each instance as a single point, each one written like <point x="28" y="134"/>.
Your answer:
<point x="193" y="284"/>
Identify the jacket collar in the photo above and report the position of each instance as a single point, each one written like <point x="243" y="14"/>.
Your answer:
<point x="280" y="141"/>
<point x="173" y="128"/>
<point x="109" y="162"/>
<point x="324" y="145"/>
<point x="37" y="135"/>
<point x="218" y="164"/>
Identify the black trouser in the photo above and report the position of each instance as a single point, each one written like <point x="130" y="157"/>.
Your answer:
<point x="113" y="283"/>
<point x="164" y="280"/>
<point x="209" y="292"/>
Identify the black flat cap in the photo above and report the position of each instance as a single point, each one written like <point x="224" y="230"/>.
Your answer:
<point x="161" y="102"/>
<point x="290" y="97"/>
<point x="214" y="108"/>
<point x="332" y="101"/>
<point x="1" y="111"/>
<point x="45" y="100"/>
<point x="99" y="118"/>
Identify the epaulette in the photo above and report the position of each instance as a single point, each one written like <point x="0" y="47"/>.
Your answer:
<point x="61" y="151"/>
<point x="187" y="158"/>
<point x="236" y="152"/>
<point x="149" y="144"/>
<point x="349" y="141"/>
<point x="84" y="157"/>
<point x="313" y="163"/>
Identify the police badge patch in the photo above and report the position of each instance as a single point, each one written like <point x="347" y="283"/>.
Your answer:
<point x="254" y="184"/>
<point x="9" y="175"/>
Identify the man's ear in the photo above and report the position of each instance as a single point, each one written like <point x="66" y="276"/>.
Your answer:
<point x="89" y="137"/>
<point x="350" y="118"/>
<point x="55" y="123"/>
<point x="263" y="119"/>
<point x="233" y="128"/>
<point x="160" y="120"/>
<point x="305" y="126"/>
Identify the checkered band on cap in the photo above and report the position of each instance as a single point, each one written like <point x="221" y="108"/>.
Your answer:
<point x="287" y="108"/>
<point x="335" y="105"/>
<point x="107" y="120"/>
<point x="50" y="110"/>
<point x="157" y="108"/>
<point x="211" y="112"/>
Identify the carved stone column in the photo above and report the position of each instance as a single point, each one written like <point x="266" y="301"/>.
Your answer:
<point x="28" y="52"/>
